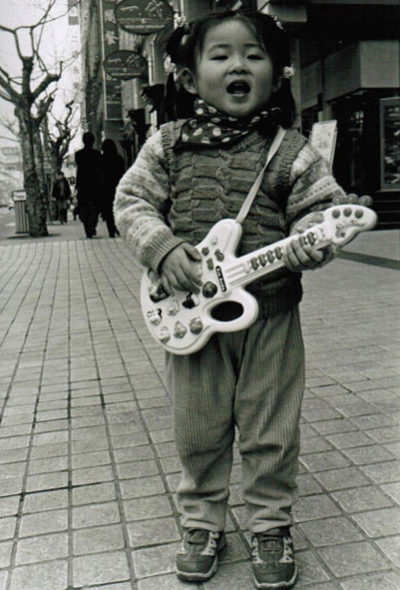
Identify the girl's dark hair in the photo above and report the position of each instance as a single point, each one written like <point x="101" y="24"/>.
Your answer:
<point x="187" y="42"/>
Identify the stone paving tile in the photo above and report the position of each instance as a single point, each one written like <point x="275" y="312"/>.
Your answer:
<point x="142" y="508"/>
<point x="9" y="506"/>
<point x="314" y="507"/>
<point x="386" y="580"/>
<point x="101" y="568"/>
<point x="92" y="475"/>
<point x="39" y="523"/>
<point x="153" y="532"/>
<point x="379" y="523"/>
<point x="154" y="560"/>
<point x="324" y="461"/>
<point x="7" y="527"/>
<point x="391" y="548"/>
<point x="117" y="586"/>
<point x="359" y="499"/>
<point x="142" y="487"/>
<point x="383" y="472"/>
<point x="137" y="469"/>
<point x="43" y="548"/>
<point x="98" y="539"/>
<point x="337" y="479"/>
<point x="352" y="558"/>
<point x="36" y="502"/>
<point x="95" y="514"/>
<point x="47" y="481"/>
<point x="331" y="531"/>
<point x="51" y="575"/>
<point x="166" y="582"/>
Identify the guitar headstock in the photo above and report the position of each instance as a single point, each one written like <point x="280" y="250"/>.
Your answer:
<point x="346" y="221"/>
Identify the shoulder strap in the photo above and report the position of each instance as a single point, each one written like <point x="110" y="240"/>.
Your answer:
<point x="247" y="203"/>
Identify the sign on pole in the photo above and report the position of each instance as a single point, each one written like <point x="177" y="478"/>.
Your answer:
<point x="125" y="65"/>
<point x="143" y="17"/>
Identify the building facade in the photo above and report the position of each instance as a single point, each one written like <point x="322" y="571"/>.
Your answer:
<point x="347" y="60"/>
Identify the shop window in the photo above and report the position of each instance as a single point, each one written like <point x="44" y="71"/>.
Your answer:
<point x="308" y="118"/>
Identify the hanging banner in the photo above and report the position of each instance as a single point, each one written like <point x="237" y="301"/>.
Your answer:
<point x="143" y="17"/>
<point x="125" y="65"/>
<point x="110" y="40"/>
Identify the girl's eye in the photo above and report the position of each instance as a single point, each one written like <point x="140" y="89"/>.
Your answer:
<point x="255" y="56"/>
<point x="219" y="57"/>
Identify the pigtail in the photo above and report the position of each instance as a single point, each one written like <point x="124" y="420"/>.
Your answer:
<point x="282" y="105"/>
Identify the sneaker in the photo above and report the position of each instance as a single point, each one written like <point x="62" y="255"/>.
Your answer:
<point x="197" y="558"/>
<point x="272" y="559"/>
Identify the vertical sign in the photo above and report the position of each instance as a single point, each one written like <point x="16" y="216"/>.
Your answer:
<point x="390" y="142"/>
<point x="110" y="43"/>
<point x="323" y="139"/>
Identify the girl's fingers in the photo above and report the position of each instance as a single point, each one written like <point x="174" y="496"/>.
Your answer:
<point x="298" y="257"/>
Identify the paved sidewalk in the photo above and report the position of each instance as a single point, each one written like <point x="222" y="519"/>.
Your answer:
<point x="88" y="467"/>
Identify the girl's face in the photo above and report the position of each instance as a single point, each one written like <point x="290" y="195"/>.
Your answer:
<point x="233" y="73"/>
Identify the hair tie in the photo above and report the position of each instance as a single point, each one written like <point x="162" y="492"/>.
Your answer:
<point x="180" y="21"/>
<point x="288" y="72"/>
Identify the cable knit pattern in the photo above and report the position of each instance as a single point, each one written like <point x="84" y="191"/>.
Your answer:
<point x="166" y="198"/>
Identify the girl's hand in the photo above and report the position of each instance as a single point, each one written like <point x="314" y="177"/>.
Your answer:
<point x="299" y="256"/>
<point x="181" y="270"/>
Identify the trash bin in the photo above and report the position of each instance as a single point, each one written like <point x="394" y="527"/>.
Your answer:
<point x="21" y="215"/>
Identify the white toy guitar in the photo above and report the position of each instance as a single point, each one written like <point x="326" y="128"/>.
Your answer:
<point x="184" y="322"/>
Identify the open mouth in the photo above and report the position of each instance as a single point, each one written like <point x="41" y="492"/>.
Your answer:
<point x="239" y="87"/>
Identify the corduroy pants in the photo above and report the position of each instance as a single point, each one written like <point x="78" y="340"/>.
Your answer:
<point x="252" y="380"/>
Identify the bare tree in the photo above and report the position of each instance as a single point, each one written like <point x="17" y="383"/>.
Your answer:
<point x="30" y="96"/>
<point x="58" y="133"/>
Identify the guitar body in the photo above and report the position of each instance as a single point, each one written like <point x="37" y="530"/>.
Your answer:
<point x="183" y="322"/>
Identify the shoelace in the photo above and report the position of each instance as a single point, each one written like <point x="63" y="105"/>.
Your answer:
<point x="196" y="536"/>
<point x="273" y="544"/>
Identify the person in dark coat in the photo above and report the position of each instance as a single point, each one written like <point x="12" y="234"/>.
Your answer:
<point x="62" y="194"/>
<point x="113" y="167"/>
<point x="88" y="182"/>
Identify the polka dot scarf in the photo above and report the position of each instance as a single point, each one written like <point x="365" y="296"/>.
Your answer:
<point x="212" y="127"/>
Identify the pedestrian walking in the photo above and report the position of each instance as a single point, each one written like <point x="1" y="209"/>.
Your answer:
<point x="61" y="193"/>
<point x="88" y="163"/>
<point x="112" y="167"/>
<point x="235" y="69"/>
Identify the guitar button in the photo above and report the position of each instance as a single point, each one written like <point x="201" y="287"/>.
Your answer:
<point x="173" y="307"/>
<point x="347" y="211"/>
<point x="210" y="263"/>
<point x="205" y="251"/>
<point x="359" y="213"/>
<point x="154" y="316"/>
<point x="270" y="256"/>
<point x="336" y="213"/>
<point x="219" y="255"/>
<point x="209" y="289"/>
<point x="263" y="260"/>
<point x="179" y="330"/>
<point x="164" y="335"/>
<point x="254" y="263"/>
<point x="278" y="252"/>
<point x="196" y="325"/>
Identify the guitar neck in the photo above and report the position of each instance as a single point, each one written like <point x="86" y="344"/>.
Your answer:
<point x="260" y="262"/>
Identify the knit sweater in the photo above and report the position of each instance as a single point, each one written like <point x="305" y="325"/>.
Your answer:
<point x="166" y="198"/>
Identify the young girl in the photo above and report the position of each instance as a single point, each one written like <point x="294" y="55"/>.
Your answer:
<point x="234" y="69"/>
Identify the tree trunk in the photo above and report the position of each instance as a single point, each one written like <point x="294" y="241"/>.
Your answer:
<point x="36" y="199"/>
